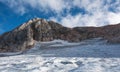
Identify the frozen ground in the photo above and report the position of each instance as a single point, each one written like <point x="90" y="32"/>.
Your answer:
<point x="60" y="56"/>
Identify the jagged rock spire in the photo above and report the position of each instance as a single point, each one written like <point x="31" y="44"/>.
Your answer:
<point x="37" y="29"/>
<point x="24" y="36"/>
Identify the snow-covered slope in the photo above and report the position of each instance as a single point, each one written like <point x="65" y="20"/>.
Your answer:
<point x="61" y="56"/>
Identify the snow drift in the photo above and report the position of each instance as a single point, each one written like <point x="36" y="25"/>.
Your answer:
<point x="61" y="56"/>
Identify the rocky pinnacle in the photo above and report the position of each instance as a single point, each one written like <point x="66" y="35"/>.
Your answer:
<point x="37" y="29"/>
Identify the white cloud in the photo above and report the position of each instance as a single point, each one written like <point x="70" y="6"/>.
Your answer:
<point x="84" y="20"/>
<point x="113" y="18"/>
<point x="98" y="13"/>
<point x="56" y="5"/>
<point x="71" y="21"/>
<point x="21" y="10"/>
<point x="17" y="6"/>
<point x="46" y="5"/>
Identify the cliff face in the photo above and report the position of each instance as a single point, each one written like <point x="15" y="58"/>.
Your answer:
<point x="24" y="36"/>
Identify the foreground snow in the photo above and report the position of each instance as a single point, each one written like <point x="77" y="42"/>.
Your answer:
<point x="35" y="63"/>
<point x="61" y="56"/>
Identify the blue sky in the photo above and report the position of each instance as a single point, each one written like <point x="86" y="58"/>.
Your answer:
<point x="70" y="13"/>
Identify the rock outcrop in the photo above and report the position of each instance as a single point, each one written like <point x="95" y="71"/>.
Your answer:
<point x="24" y="36"/>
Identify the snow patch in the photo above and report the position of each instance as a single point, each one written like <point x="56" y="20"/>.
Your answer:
<point x="60" y="56"/>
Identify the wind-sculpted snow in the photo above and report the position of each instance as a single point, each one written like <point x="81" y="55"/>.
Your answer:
<point x="36" y="63"/>
<point x="61" y="56"/>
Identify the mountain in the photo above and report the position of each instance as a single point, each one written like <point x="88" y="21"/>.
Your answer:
<point x="25" y="36"/>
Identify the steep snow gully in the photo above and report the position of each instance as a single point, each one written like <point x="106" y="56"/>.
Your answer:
<point x="93" y="55"/>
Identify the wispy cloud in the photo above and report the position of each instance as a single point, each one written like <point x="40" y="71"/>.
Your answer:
<point x="98" y="12"/>
<point x="21" y="6"/>
<point x="16" y="5"/>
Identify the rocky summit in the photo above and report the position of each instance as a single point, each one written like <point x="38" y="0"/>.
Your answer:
<point x="37" y="29"/>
